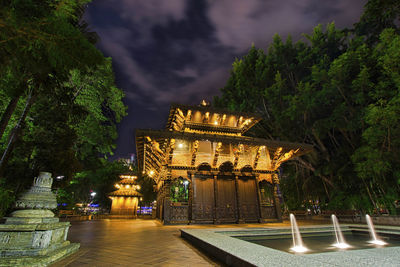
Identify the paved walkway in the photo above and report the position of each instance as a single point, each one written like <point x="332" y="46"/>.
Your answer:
<point x="131" y="243"/>
<point x="137" y="243"/>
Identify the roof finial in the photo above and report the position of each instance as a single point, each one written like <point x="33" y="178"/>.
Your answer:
<point x="204" y="103"/>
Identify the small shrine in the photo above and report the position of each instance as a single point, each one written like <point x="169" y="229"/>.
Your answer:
<point x="32" y="235"/>
<point x="207" y="171"/>
<point x="125" y="199"/>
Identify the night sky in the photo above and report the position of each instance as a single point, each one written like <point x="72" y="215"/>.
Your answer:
<point x="182" y="50"/>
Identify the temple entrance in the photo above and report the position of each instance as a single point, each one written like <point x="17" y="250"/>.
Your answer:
<point x="203" y="199"/>
<point x="226" y="200"/>
<point x="249" y="210"/>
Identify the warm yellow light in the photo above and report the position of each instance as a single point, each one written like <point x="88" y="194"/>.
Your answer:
<point x="216" y="122"/>
<point x="138" y="187"/>
<point x="223" y="118"/>
<point x="127" y="177"/>
<point x="116" y="185"/>
<point x="151" y="172"/>
<point x="180" y="145"/>
<point x="127" y="186"/>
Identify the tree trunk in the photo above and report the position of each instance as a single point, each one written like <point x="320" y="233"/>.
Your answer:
<point x="15" y="132"/>
<point x="5" y="118"/>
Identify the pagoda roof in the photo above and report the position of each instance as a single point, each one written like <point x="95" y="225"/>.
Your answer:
<point x="127" y="181"/>
<point x="175" y="108"/>
<point x="162" y="137"/>
<point x="127" y="192"/>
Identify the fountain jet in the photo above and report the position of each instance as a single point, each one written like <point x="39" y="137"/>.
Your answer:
<point x="340" y="242"/>
<point x="297" y="241"/>
<point x="374" y="240"/>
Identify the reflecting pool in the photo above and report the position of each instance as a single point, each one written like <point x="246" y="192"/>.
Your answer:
<point x="319" y="242"/>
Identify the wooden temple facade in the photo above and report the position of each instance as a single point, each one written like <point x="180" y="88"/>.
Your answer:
<point x="206" y="171"/>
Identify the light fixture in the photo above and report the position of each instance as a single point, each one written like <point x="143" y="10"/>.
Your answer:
<point x="93" y="194"/>
<point x="180" y="145"/>
<point x="138" y="187"/>
<point x="216" y="122"/>
<point x="186" y="182"/>
<point x="151" y="172"/>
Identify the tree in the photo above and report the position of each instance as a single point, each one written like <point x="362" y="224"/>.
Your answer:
<point x="66" y="103"/>
<point x="286" y="90"/>
<point x="41" y="43"/>
<point x="338" y="93"/>
<point x="376" y="160"/>
<point x="378" y="15"/>
<point x="100" y="180"/>
<point x="147" y="189"/>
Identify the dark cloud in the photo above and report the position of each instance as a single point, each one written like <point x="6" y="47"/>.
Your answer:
<point x="182" y="50"/>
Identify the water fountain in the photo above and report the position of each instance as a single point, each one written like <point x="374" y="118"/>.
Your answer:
<point x="340" y="242"/>
<point x="297" y="241"/>
<point x="374" y="240"/>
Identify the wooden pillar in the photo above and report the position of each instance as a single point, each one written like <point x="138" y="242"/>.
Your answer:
<point x="167" y="202"/>
<point x="240" y="218"/>
<point x="275" y="180"/>
<point x="191" y="178"/>
<point x="258" y="199"/>
<point x="215" y="217"/>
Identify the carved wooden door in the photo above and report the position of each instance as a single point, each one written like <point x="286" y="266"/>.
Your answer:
<point x="203" y="200"/>
<point x="248" y="200"/>
<point x="226" y="200"/>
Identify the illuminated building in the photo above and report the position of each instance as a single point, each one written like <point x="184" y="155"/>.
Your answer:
<point x="125" y="198"/>
<point x="206" y="171"/>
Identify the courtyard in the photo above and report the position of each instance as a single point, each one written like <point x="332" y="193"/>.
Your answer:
<point x="138" y="243"/>
<point x="146" y="242"/>
<point x="131" y="243"/>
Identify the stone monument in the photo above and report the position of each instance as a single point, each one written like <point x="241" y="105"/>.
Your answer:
<point x="32" y="235"/>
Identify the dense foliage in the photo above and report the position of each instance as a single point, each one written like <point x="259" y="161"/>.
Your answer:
<point x="59" y="105"/>
<point x="338" y="90"/>
<point x="99" y="180"/>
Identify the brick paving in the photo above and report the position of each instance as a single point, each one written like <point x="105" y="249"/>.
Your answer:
<point x="137" y="243"/>
<point x="131" y="243"/>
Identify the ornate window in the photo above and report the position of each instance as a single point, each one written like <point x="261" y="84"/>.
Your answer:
<point x="204" y="167"/>
<point x="227" y="166"/>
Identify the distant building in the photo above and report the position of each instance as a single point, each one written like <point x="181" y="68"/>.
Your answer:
<point x="206" y="171"/>
<point x="125" y="199"/>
